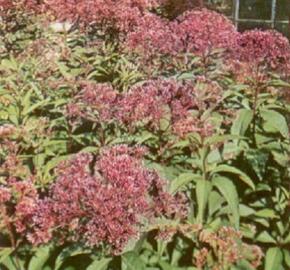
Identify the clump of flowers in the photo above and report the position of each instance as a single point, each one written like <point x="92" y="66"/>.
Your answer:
<point x="196" y="31"/>
<point x="153" y="36"/>
<point x="121" y="14"/>
<point x="6" y="130"/>
<point x="202" y="31"/>
<point x="96" y="102"/>
<point x="266" y="48"/>
<point x="102" y="203"/>
<point x="224" y="249"/>
<point x="156" y="99"/>
<point x="18" y="203"/>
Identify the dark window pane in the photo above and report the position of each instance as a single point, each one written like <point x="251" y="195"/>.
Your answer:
<point x="255" y="9"/>
<point x="283" y="9"/>
<point x="283" y="28"/>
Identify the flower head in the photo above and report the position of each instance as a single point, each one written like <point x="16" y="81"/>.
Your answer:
<point x="202" y="31"/>
<point x="268" y="48"/>
<point x="102" y="202"/>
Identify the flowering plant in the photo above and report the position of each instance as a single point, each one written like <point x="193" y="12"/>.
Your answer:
<point x="139" y="139"/>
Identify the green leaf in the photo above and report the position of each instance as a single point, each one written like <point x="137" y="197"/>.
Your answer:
<point x="257" y="159"/>
<point x="215" y="202"/>
<point x="242" y="122"/>
<point x="67" y="253"/>
<point x="266" y="213"/>
<point x="286" y="257"/>
<point x="11" y="263"/>
<point x="230" y="169"/>
<point x="4" y="253"/>
<point x="132" y="261"/>
<point x="265" y="237"/>
<point x="34" y="107"/>
<point x="228" y="190"/>
<point x="26" y="100"/>
<point x="202" y="190"/>
<point x="101" y="264"/>
<point x="9" y="64"/>
<point x="221" y="138"/>
<point x="246" y="211"/>
<point x="166" y="266"/>
<point x="274" y="258"/>
<point x="181" y="181"/>
<point x="39" y="258"/>
<point x="275" y="122"/>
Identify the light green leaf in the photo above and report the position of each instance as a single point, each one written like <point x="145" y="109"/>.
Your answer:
<point x="34" y="107"/>
<point x="4" y="253"/>
<point x="286" y="257"/>
<point x="101" y="264"/>
<point x="266" y="213"/>
<point x="274" y="258"/>
<point x="39" y="258"/>
<point x="12" y="264"/>
<point x="215" y="202"/>
<point x="265" y="237"/>
<point x="166" y="266"/>
<point x="221" y="138"/>
<point x="246" y="211"/>
<point x="228" y="190"/>
<point x="67" y="253"/>
<point x="181" y="181"/>
<point x="230" y="169"/>
<point x="202" y="190"/>
<point x="242" y="122"/>
<point x="275" y="122"/>
<point x="132" y="261"/>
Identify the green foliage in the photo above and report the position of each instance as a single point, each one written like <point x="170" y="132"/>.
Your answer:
<point x="238" y="176"/>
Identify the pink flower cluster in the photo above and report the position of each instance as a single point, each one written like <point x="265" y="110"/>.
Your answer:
<point x="153" y="35"/>
<point x="196" y="31"/>
<point x="147" y="103"/>
<point x="154" y="100"/>
<point x="102" y="203"/>
<point x="18" y="203"/>
<point x="227" y="248"/>
<point x="99" y="98"/>
<point x="263" y="47"/>
<point x="106" y="13"/>
<point x="202" y="31"/>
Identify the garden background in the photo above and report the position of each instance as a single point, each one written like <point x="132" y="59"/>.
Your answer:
<point x="143" y="135"/>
